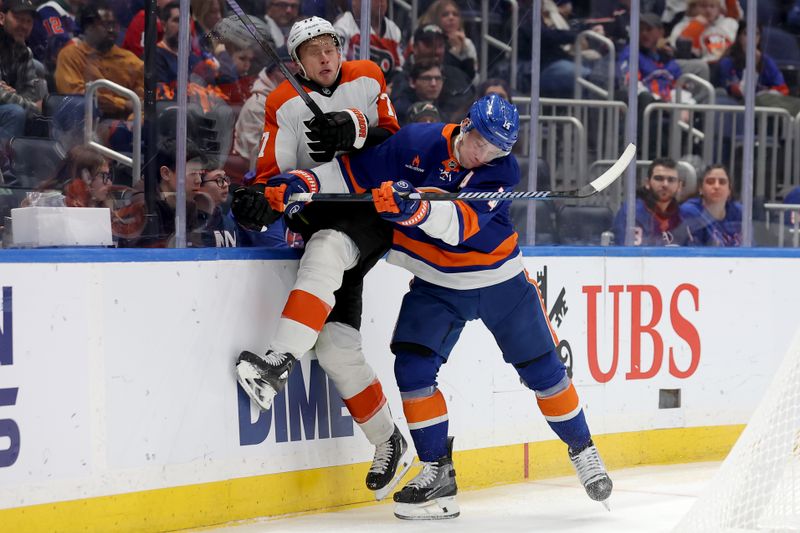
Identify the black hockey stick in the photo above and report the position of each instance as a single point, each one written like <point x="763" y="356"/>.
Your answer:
<point x="245" y="19"/>
<point x="604" y="180"/>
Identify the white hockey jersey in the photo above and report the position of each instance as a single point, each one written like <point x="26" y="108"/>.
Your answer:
<point x="284" y="145"/>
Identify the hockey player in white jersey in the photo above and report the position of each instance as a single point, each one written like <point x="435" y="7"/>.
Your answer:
<point x="323" y="310"/>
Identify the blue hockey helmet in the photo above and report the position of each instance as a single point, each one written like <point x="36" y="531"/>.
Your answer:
<point x="496" y="120"/>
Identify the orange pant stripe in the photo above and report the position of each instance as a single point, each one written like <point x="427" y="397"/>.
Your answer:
<point x="307" y="309"/>
<point x="366" y="403"/>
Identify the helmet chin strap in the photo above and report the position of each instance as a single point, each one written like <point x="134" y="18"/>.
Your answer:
<point x="457" y="145"/>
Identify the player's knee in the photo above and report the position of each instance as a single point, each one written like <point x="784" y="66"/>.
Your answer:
<point x="338" y="350"/>
<point x="415" y="367"/>
<point x="542" y="373"/>
<point x="333" y="247"/>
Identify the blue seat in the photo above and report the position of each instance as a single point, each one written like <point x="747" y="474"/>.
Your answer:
<point x="583" y="224"/>
<point x="34" y="160"/>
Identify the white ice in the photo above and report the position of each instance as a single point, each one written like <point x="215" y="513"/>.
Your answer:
<point x="645" y="499"/>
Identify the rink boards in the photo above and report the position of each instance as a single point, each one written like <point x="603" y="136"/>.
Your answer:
<point x="119" y="409"/>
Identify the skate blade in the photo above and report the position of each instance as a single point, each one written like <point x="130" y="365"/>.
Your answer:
<point x="438" y="509"/>
<point x="402" y="468"/>
<point x="261" y="393"/>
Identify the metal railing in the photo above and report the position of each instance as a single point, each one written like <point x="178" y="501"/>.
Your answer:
<point x="134" y="162"/>
<point x="487" y="40"/>
<point x="581" y="83"/>
<point x="720" y="136"/>
<point x="795" y="229"/>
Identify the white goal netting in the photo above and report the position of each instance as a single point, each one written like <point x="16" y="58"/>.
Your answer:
<point x="758" y="485"/>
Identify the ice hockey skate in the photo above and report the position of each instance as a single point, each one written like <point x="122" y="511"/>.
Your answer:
<point x="391" y="462"/>
<point x="263" y="376"/>
<point x="431" y="495"/>
<point x="592" y="473"/>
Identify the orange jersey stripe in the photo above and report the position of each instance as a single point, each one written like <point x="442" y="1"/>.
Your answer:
<point x="470" y="218"/>
<point x="356" y="187"/>
<point x="307" y="309"/>
<point x="561" y="404"/>
<point x="366" y="403"/>
<point x="544" y="309"/>
<point x="435" y="255"/>
<point x="421" y="409"/>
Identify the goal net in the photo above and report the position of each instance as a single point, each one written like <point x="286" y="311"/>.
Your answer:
<point x="757" y="487"/>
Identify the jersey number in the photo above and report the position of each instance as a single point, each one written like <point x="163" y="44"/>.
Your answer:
<point x="389" y="107"/>
<point x="264" y="139"/>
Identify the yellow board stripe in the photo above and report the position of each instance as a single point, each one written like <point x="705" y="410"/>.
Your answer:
<point x="206" y="504"/>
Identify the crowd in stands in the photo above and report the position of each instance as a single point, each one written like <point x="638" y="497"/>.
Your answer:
<point x="50" y="50"/>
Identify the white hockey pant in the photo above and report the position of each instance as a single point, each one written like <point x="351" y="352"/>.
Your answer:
<point x="339" y="353"/>
<point x="327" y="255"/>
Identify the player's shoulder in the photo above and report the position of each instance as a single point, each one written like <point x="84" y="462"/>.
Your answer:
<point x="283" y="93"/>
<point x="359" y="68"/>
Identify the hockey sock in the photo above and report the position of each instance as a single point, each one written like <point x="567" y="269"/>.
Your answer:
<point x="426" y="414"/>
<point x="557" y="398"/>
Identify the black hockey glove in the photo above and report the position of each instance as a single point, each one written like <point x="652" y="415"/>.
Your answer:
<point x="336" y="131"/>
<point x="251" y="209"/>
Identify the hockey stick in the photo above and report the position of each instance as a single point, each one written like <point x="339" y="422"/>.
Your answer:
<point x="245" y="19"/>
<point x="604" y="180"/>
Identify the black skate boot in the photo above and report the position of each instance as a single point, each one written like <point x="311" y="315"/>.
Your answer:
<point x="592" y="473"/>
<point x="431" y="495"/>
<point x="391" y="462"/>
<point x="263" y="376"/>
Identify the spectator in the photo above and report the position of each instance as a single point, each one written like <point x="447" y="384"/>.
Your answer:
<point x="658" y="70"/>
<point x="461" y="51"/>
<point x="280" y="16"/>
<point x="658" y="220"/>
<point x="234" y="79"/>
<point x="216" y="228"/>
<point x="713" y="217"/>
<point x="557" y="69"/>
<point x="85" y="180"/>
<point x="94" y="56"/>
<point x="58" y="25"/>
<point x="675" y="10"/>
<point x="457" y="89"/>
<point x="771" y="88"/>
<point x="21" y="90"/>
<point x="205" y="99"/>
<point x="250" y="123"/>
<point x="384" y="41"/>
<point x="134" y="35"/>
<point x="206" y="14"/>
<point x="18" y="18"/>
<point x="497" y="86"/>
<point x="164" y="212"/>
<point x="425" y="84"/>
<point x="710" y="31"/>
<point x="423" y="112"/>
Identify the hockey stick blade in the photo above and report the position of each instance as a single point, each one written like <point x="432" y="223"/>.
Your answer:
<point x="598" y="184"/>
<point x="245" y="19"/>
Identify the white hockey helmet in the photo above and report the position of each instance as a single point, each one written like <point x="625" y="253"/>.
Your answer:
<point x="306" y="29"/>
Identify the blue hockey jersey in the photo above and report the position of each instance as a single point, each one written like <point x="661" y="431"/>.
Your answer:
<point x="462" y="244"/>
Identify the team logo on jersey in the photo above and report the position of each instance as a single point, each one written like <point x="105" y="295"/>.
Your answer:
<point x="448" y="167"/>
<point x="556" y="317"/>
<point x="414" y="165"/>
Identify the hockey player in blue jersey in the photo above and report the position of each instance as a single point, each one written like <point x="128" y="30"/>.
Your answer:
<point x="466" y="266"/>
